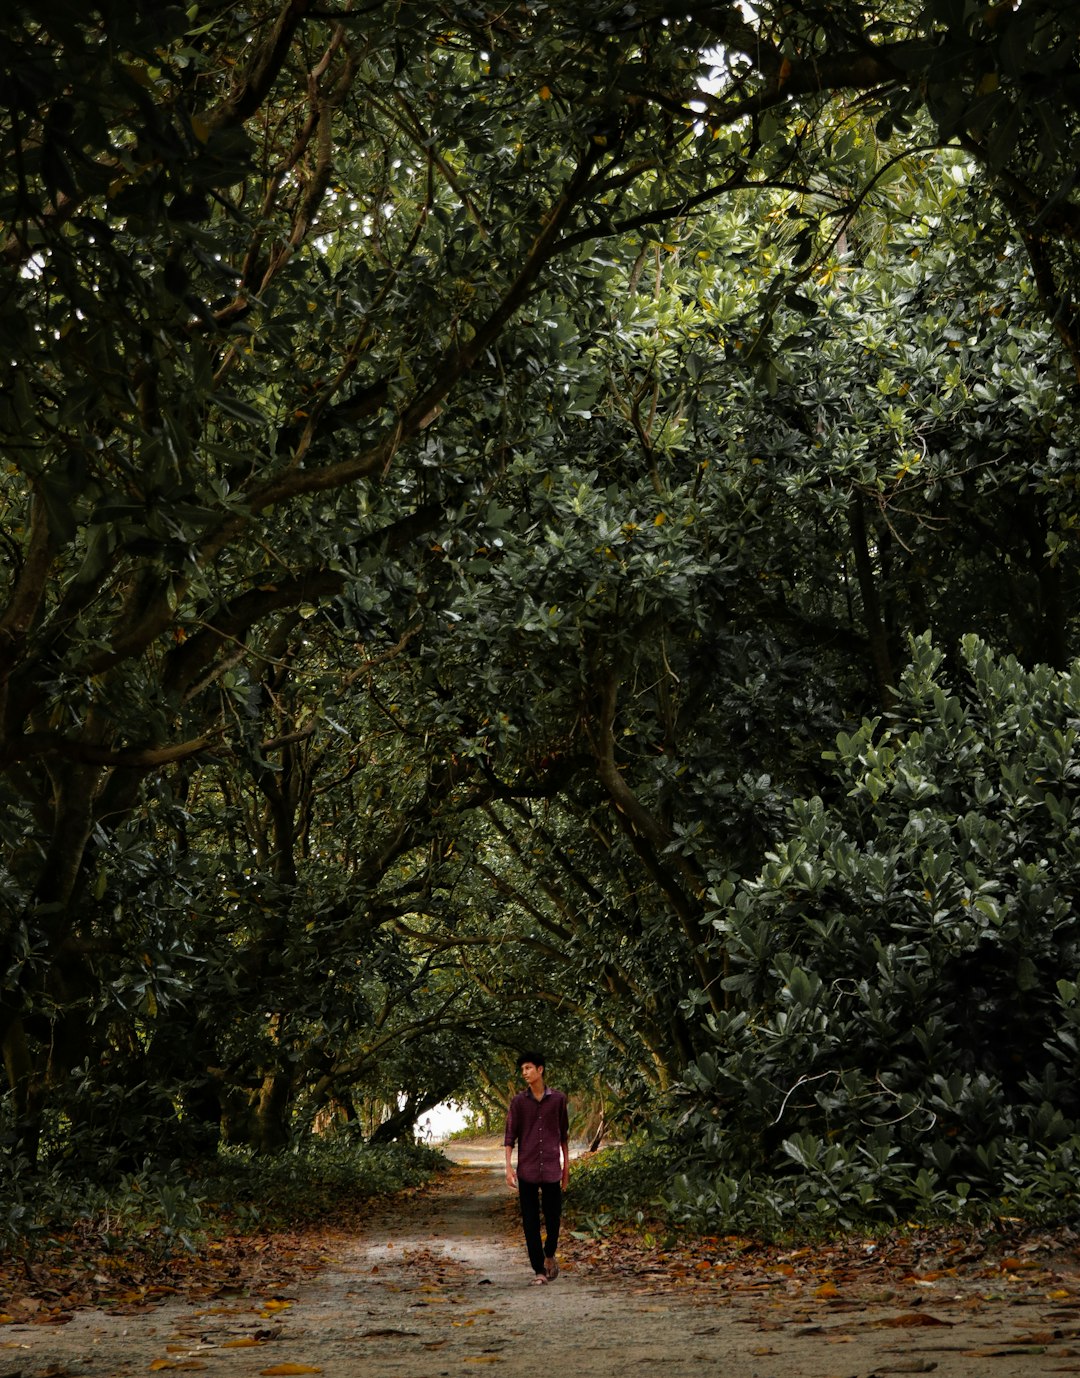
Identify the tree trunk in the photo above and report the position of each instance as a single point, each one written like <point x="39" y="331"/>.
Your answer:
<point x="271" y="1112"/>
<point x="401" y="1123"/>
<point x="881" y="661"/>
<point x="25" y="1091"/>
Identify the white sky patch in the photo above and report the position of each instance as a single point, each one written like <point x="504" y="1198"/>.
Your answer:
<point x="440" y="1123"/>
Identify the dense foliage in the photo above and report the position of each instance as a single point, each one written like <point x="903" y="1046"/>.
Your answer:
<point x="462" y="470"/>
<point x="905" y="970"/>
<point x="156" y="1220"/>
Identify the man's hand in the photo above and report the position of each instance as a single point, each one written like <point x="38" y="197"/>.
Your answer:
<point x="511" y="1179"/>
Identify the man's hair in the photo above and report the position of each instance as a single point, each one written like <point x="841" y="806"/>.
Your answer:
<point x="535" y="1057"/>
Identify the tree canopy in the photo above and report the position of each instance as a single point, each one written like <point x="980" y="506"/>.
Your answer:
<point x="465" y="470"/>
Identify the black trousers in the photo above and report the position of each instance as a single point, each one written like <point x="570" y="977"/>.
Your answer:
<point x="533" y="1197"/>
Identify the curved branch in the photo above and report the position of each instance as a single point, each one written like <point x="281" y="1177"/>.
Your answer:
<point x="190" y="660"/>
<point x="29" y="591"/>
<point x="89" y="753"/>
<point x="262" y="71"/>
<point x="376" y="461"/>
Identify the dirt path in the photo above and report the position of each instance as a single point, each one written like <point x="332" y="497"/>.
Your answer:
<point x="442" y="1286"/>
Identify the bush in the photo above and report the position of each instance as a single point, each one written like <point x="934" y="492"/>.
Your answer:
<point x="841" y="1188"/>
<point x="159" y="1209"/>
<point x="905" y="1008"/>
<point x="621" y="1182"/>
<point x="324" y="1177"/>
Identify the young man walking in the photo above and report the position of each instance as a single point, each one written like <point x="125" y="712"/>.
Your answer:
<point x="538" y="1123"/>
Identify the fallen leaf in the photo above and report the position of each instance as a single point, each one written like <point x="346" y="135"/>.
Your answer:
<point x="1002" y="1351"/>
<point x="244" y="1342"/>
<point x="910" y="1318"/>
<point x="187" y="1364"/>
<point x="288" y="1369"/>
<point x="827" y="1290"/>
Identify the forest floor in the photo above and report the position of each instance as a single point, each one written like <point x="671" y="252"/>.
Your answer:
<point x="436" y="1283"/>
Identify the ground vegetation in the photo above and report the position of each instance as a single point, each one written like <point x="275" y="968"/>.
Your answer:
<point x="523" y="526"/>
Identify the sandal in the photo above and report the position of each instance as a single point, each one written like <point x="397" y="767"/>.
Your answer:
<point x="552" y="1269"/>
<point x="539" y="1280"/>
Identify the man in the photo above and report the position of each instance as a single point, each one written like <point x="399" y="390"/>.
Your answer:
<point x="539" y="1123"/>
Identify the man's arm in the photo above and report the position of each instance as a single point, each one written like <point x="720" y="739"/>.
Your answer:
<point x="564" y="1142"/>
<point x="508" y="1143"/>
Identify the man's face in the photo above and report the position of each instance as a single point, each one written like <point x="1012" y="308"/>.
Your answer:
<point x="531" y="1074"/>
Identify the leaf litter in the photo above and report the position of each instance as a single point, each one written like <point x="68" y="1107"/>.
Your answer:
<point x="957" y="1302"/>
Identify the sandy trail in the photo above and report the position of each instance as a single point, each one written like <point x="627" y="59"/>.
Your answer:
<point x="441" y="1285"/>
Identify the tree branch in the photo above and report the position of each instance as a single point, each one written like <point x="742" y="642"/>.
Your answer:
<point x="33" y="744"/>
<point x="262" y="70"/>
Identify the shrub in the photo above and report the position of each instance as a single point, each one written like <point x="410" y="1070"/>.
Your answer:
<point x="160" y="1208"/>
<point x="905" y="1009"/>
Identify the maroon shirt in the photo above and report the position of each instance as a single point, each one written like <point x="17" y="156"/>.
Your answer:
<point x="538" y="1127"/>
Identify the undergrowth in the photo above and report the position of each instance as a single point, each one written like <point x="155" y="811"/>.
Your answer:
<point x="619" y="1186"/>
<point x="828" y="1191"/>
<point x="158" y="1209"/>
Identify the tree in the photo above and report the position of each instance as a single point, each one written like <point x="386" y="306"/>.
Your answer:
<point x="945" y="448"/>
<point x="250" y="259"/>
<point x="320" y="385"/>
